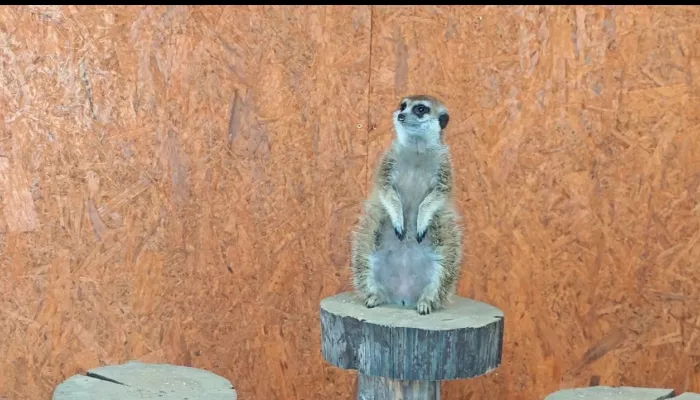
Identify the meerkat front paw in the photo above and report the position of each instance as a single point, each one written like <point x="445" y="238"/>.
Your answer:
<point x="399" y="227"/>
<point x="400" y="233"/>
<point x="421" y="235"/>
<point x="422" y="226"/>
<point x="372" y="301"/>
<point x="392" y="204"/>
<point x="424" y="307"/>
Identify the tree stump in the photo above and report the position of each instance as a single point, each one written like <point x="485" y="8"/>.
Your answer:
<point x="612" y="393"/>
<point x="136" y="380"/>
<point x="399" y="353"/>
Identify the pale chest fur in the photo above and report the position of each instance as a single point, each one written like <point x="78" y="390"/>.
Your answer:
<point x="413" y="175"/>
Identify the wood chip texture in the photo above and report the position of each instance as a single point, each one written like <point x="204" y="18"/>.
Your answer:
<point x="179" y="183"/>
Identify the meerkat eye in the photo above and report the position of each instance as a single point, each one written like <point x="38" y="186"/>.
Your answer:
<point x="403" y="106"/>
<point x="421" y="110"/>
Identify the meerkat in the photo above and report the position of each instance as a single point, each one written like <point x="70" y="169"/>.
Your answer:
<point x="407" y="246"/>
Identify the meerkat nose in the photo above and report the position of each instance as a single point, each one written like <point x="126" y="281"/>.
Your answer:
<point x="401" y="117"/>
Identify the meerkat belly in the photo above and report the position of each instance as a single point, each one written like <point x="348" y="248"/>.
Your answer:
<point x="403" y="270"/>
<point x="404" y="267"/>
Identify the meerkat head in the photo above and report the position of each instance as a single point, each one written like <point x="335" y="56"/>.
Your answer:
<point x="420" y="121"/>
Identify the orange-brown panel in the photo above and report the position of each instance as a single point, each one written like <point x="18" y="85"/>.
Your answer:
<point x="180" y="185"/>
<point x="182" y="181"/>
<point x="574" y="135"/>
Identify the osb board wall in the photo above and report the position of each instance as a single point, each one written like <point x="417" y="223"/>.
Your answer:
<point x="178" y="185"/>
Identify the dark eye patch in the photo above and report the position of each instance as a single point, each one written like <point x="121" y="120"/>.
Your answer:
<point x="420" y="110"/>
<point x="403" y="106"/>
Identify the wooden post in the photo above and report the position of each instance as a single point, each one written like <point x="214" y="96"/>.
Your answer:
<point x="135" y="380"/>
<point x="401" y="354"/>
<point x="380" y="388"/>
<point x="612" y="393"/>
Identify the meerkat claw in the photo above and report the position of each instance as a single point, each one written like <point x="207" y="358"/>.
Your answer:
<point x="423" y="307"/>
<point x="420" y="236"/>
<point x="371" y="301"/>
<point x="400" y="234"/>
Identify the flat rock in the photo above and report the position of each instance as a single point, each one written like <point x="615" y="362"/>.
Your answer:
<point x="462" y="340"/>
<point x="688" y="396"/>
<point x="612" y="393"/>
<point x="136" y="380"/>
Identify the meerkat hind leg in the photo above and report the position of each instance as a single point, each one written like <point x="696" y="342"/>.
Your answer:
<point x="430" y="297"/>
<point x="375" y="294"/>
<point x="372" y="301"/>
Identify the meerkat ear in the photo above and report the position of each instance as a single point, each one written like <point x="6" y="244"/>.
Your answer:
<point x="444" y="119"/>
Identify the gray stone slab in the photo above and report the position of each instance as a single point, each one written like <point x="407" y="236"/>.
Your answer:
<point x="462" y="340"/>
<point x="136" y="380"/>
<point x="612" y="393"/>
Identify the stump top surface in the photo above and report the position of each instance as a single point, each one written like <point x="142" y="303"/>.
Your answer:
<point x="136" y="380"/>
<point x="612" y="393"/>
<point x="460" y="341"/>
<point x="459" y="313"/>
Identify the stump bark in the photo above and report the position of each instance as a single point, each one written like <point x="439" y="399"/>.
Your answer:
<point x="136" y="380"/>
<point x="401" y="354"/>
